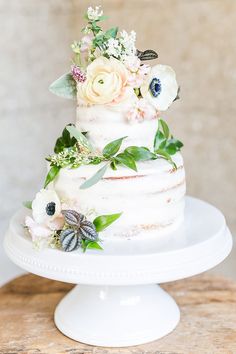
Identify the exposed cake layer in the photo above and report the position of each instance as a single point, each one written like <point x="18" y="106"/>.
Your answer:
<point x="151" y="200"/>
<point x="105" y="124"/>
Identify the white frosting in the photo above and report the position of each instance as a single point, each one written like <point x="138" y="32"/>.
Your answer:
<point x="105" y="124"/>
<point x="152" y="199"/>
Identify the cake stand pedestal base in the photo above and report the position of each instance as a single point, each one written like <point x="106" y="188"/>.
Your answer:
<point x="116" y="316"/>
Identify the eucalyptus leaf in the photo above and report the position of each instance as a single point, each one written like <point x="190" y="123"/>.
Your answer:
<point x="53" y="172"/>
<point x="140" y="153"/>
<point x="95" y="178"/>
<point x="79" y="136"/>
<point x="65" y="86"/>
<point x="27" y="204"/>
<point x="126" y="160"/>
<point x="113" y="147"/>
<point x="103" y="221"/>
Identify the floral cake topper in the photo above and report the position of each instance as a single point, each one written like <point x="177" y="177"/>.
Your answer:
<point x="108" y="69"/>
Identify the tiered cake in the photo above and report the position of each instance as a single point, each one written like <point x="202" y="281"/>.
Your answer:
<point x="119" y="163"/>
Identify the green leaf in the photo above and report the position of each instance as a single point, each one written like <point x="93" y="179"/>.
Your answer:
<point x="166" y="156"/>
<point x="171" y="148"/>
<point x="177" y="143"/>
<point x="159" y="140"/>
<point x="113" y="147"/>
<point x="79" y="136"/>
<point x="111" y="33"/>
<point x="165" y="128"/>
<point x="103" y="221"/>
<point x="90" y="244"/>
<point x="102" y="18"/>
<point x="126" y="160"/>
<point x="64" y="141"/>
<point x="28" y="204"/>
<point x="65" y="86"/>
<point x="53" y="172"/>
<point x="113" y="165"/>
<point x="95" y="178"/>
<point x="140" y="153"/>
<point x="94" y="245"/>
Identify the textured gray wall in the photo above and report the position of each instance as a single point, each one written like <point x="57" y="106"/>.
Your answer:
<point x="196" y="37"/>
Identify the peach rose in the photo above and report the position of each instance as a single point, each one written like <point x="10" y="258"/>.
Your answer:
<point x="106" y="82"/>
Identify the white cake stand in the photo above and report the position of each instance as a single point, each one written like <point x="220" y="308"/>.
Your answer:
<point x="117" y="302"/>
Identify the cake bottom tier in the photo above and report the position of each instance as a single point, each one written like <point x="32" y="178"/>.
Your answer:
<point x="151" y="200"/>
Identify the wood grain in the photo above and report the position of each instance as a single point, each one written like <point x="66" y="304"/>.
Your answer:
<point x="208" y="319"/>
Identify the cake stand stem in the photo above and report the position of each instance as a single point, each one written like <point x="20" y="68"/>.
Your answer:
<point x="116" y="316"/>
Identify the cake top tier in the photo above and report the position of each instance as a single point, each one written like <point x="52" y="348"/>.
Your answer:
<point x="108" y="70"/>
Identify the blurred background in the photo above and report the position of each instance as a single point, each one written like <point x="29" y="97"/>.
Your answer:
<point x="196" y="37"/>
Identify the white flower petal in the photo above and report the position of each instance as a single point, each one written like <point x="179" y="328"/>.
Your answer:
<point x="39" y="205"/>
<point x="36" y="230"/>
<point x="169" y="87"/>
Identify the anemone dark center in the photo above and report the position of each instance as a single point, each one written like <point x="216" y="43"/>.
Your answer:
<point x="51" y="208"/>
<point x="155" y="87"/>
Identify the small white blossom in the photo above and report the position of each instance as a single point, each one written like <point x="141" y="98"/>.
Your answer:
<point x="114" y="48"/>
<point x="94" y="13"/>
<point x="128" y="43"/>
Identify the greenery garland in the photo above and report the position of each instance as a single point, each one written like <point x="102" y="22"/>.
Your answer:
<point x="72" y="149"/>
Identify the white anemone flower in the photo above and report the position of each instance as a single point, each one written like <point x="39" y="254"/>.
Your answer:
<point x="46" y="206"/>
<point x="160" y="87"/>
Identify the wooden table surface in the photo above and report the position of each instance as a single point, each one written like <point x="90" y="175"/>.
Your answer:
<point x="208" y="319"/>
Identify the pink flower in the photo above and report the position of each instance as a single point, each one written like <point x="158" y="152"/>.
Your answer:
<point x="137" y="71"/>
<point x="36" y="230"/>
<point x="78" y="74"/>
<point x="57" y="223"/>
<point x="141" y="111"/>
<point x="86" y="42"/>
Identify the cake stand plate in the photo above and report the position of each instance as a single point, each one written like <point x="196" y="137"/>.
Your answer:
<point x="117" y="302"/>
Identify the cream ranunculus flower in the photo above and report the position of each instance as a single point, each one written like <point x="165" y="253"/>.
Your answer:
<point x="106" y="82"/>
<point x="160" y="87"/>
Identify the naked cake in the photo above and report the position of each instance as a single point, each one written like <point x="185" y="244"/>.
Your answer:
<point x="117" y="172"/>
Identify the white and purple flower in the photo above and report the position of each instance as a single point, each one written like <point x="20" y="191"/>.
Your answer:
<point x="160" y="87"/>
<point x="46" y="206"/>
<point x="46" y="216"/>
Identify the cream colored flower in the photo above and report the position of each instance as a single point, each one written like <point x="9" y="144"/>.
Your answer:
<point x="46" y="207"/>
<point x="106" y="82"/>
<point x="160" y="87"/>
